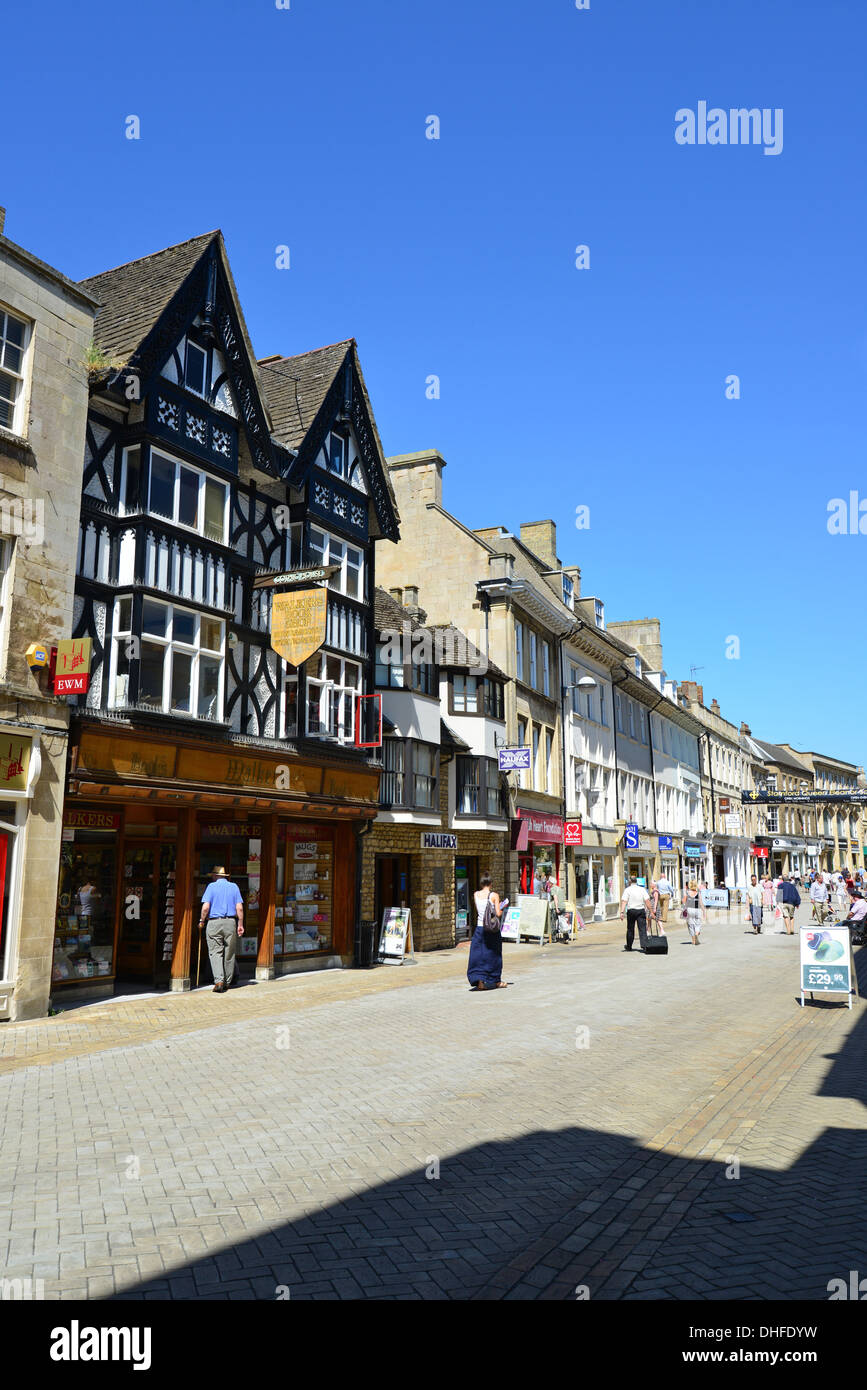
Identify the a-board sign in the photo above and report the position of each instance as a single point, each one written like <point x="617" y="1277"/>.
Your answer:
<point x="511" y="924"/>
<point x="826" y="961"/>
<point x="715" y="897"/>
<point x="396" y="929"/>
<point x="533" y="921"/>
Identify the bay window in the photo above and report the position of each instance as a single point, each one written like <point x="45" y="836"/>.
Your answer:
<point x="410" y="775"/>
<point x="478" y="788"/>
<point x="325" y="549"/>
<point x="333" y="686"/>
<point x="185" y="496"/>
<point x="474" y="695"/>
<point x="180" y="655"/>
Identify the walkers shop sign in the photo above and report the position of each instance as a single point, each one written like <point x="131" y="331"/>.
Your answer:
<point x="299" y="611"/>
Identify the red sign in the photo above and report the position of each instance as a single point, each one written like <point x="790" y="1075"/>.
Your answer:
<point x="758" y="852"/>
<point x="72" y="666"/>
<point x="573" y="832"/>
<point x="542" y="828"/>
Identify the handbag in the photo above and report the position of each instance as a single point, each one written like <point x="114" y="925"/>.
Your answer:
<point x="490" y="920"/>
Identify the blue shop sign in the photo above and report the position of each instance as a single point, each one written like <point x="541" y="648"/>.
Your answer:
<point x="694" y="851"/>
<point x="666" y="842"/>
<point x="513" y="759"/>
<point x="630" y="839"/>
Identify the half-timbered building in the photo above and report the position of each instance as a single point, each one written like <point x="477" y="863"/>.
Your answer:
<point x="208" y="474"/>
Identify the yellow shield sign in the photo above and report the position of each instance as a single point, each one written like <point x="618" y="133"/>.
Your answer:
<point x="298" y="623"/>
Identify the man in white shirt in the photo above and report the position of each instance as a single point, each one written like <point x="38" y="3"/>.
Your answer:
<point x="665" y="892"/>
<point x="819" y="898"/>
<point x="635" y="901"/>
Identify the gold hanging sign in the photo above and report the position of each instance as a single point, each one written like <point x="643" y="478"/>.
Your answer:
<point x="298" y="620"/>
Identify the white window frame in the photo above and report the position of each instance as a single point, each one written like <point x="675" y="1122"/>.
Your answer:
<point x="203" y="478"/>
<point x="194" y="649"/>
<point x="347" y="695"/>
<point x="20" y="374"/>
<point x="533" y="671"/>
<point x="546" y="668"/>
<point x="337" y="583"/>
<point x="519" y="651"/>
<point x="7" y="555"/>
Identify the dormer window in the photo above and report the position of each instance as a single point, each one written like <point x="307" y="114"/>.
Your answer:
<point x="568" y="592"/>
<point x="600" y="614"/>
<point x="195" y="368"/>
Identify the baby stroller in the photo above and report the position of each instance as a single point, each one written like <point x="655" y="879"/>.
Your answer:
<point x="561" y="926"/>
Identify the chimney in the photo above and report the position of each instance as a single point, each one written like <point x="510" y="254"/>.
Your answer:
<point x="417" y="478"/>
<point x="714" y="706"/>
<point x="541" y="538"/>
<point x="2" y="220"/>
<point x="745" y="728"/>
<point x="397" y="595"/>
<point x="410" y="603"/>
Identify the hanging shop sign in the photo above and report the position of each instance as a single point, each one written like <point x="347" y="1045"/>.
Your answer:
<point x="573" y="832"/>
<point x="72" y="666"/>
<point x="826" y="961"/>
<point x="438" y="840"/>
<point x="513" y="759"/>
<point x="15" y="751"/>
<point x="298" y="620"/>
<point x="630" y="835"/>
<point x="759" y="852"/>
<point x="666" y="842"/>
<point x="694" y="851"/>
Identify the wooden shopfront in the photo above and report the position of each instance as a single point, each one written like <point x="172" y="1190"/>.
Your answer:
<point x="145" y="823"/>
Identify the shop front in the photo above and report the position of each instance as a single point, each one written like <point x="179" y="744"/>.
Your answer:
<point x="146" y="823"/>
<point x="670" y="849"/>
<point x="694" y="863"/>
<point x="538" y="838"/>
<point x="592" y="875"/>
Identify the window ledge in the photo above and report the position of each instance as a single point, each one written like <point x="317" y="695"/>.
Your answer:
<point x="20" y="444"/>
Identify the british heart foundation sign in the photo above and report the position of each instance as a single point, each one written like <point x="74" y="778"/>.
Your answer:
<point x="72" y="667"/>
<point x="298" y="623"/>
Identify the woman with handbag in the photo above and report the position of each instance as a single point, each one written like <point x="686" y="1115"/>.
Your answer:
<point x="693" y="912"/>
<point x="485" y="966"/>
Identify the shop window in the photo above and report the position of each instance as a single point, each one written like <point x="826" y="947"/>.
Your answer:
<point x="86" y="898"/>
<point x="305" y="875"/>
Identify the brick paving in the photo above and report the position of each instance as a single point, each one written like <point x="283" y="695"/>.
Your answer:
<point x="388" y="1134"/>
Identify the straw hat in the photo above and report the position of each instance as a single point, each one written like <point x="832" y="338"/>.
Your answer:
<point x="220" y="872"/>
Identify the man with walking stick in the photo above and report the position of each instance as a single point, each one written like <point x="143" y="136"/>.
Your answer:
<point x="223" y="913"/>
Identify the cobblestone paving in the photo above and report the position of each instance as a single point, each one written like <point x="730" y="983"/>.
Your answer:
<point x="388" y="1134"/>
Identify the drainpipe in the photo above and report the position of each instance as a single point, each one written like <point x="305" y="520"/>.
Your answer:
<point x="361" y="832"/>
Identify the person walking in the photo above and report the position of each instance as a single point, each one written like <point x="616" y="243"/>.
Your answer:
<point x="653" y="908"/>
<point x="754" y="902"/>
<point x="635" y="900"/>
<point x="767" y="892"/>
<point x="223" y="916"/>
<point x="695" y="911"/>
<point x="790" y="900"/>
<point x="665" y="892"/>
<point x="841" y="895"/>
<point x="819" y="899"/>
<point x="485" y="965"/>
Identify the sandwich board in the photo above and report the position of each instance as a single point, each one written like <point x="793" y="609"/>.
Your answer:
<point x="826" y="962"/>
<point x="395" y="937"/>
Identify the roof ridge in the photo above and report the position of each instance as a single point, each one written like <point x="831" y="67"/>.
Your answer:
<point x="275" y="358"/>
<point x="137" y="260"/>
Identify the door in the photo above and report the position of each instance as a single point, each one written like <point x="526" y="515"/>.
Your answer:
<point x="136" y="947"/>
<point x="392" y="883"/>
<point x="466" y="882"/>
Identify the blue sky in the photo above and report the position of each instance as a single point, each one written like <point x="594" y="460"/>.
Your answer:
<point x="559" y="388"/>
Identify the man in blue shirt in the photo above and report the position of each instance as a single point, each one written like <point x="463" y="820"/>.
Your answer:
<point x="790" y="899"/>
<point x="223" y="912"/>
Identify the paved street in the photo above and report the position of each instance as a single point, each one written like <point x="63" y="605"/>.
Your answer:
<point x="388" y="1134"/>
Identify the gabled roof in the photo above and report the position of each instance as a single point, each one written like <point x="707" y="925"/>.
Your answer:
<point x="297" y="387"/>
<point x="298" y="390"/>
<point x="782" y="757"/>
<point x="388" y="614"/>
<point x="456" y="652"/>
<point x="134" y="295"/>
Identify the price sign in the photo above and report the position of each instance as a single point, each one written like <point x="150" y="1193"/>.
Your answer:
<point x="826" y="961"/>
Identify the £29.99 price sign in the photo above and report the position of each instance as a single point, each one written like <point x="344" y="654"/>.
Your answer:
<point x="826" y="961"/>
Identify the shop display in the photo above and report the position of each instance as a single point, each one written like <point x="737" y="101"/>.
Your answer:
<point x="304" y="909"/>
<point x="84" y="924"/>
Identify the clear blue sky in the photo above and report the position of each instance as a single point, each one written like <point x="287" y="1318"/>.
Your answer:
<point x="559" y="387"/>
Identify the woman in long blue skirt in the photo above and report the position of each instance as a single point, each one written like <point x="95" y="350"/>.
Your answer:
<point x="485" y="967"/>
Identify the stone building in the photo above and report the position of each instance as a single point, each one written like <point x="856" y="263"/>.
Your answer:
<point x="46" y="327"/>
<point x="442" y="818"/>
